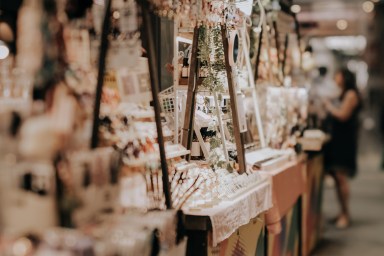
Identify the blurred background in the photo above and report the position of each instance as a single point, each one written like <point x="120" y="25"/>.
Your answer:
<point x="351" y="33"/>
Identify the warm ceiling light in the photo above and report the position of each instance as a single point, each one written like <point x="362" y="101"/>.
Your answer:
<point x="295" y="8"/>
<point x="4" y="51"/>
<point x="342" y="24"/>
<point x="368" y="6"/>
<point x="116" y="15"/>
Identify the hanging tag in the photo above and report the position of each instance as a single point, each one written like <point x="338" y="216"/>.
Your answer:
<point x="241" y="112"/>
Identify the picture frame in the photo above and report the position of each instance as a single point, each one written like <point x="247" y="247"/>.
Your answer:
<point x="134" y="84"/>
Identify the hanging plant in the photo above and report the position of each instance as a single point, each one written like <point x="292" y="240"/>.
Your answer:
<point x="211" y="55"/>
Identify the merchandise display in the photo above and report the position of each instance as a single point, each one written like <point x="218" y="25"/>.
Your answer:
<point x="96" y="160"/>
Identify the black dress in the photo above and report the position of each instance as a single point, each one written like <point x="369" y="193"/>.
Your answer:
<point x="341" y="151"/>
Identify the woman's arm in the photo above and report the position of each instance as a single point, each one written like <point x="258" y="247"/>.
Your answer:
<point x="344" y="112"/>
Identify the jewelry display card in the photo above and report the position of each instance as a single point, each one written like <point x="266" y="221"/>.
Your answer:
<point x="27" y="189"/>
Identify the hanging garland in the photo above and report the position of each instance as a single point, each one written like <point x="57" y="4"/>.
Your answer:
<point x="211" y="55"/>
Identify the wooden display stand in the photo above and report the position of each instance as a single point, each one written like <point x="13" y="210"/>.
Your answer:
<point x="283" y="221"/>
<point x="148" y="40"/>
<point x="289" y="240"/>
<point x="312" y="203"/>
<point x="299" y="215"/>
<point x="249" y="239"/>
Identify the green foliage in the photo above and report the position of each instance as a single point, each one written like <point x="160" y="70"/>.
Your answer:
<point x="211" y="54"/>
<point x="215" y="142"/>
<point x="231" y="130"/>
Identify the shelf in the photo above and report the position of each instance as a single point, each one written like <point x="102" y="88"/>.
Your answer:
<point x="176" y="150"/>
<point x="170" y="154"/>
<point x="184" y="81"/>
<point x="140" y="162"/>
<point x="177" y="154"/>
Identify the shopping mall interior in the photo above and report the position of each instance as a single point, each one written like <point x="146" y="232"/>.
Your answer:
<point x="192" y="127"/>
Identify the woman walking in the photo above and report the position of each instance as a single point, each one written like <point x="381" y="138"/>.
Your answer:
<point x="341" y="152"/>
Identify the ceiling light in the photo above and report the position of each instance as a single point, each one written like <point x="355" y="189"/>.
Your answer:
<point x="4" y="51"/>
<point x="116" y="15"/>
<point x="342" y="24"/>
<point x="368" y="6"/>
<point x="295" y="8"/>
<point x="346" y="43"/>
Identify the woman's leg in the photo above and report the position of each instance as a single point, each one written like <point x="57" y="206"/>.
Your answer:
<point x="342" y="187"/>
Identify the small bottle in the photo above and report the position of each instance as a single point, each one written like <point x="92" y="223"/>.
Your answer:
<point x="207" y="141"/>
<point x="195" y="148"/>
<point x="185" y="68"/>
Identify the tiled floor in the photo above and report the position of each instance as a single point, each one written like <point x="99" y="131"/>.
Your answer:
<point x="366" y="235"/>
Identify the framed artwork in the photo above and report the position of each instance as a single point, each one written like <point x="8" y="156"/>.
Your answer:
<point x="134" y="84"/>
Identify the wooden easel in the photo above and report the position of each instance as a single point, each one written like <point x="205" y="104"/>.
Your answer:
<point x="188" y="126"/>
<point x="239" y="140"/>
<point x="189" y="119"/>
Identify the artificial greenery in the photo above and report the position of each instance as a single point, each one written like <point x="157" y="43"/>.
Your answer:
<point x="211" y="55"/>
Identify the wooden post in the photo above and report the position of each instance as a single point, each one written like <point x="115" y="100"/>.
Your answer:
<point x="277" y="41"/>
<point x="258" y="55"/>
<point x="232" y="93"/>
<point x="100" y="76"/>
<point x="285" y="54"/>
<point x="148" y="40"/>
<point x="176" y="77"/>
<point x="189" y="118"/>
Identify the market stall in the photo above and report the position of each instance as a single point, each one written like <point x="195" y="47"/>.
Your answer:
<point x="284" y="219"/>
<point x="120" y="167"/>
<point x="214" y="230"/>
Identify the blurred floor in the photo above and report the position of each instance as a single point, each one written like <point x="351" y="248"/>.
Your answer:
<point x="366" y="235"/>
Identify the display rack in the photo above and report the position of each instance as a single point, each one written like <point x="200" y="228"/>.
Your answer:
<point x="153" y="72"/>
<point x="139" y="162"/>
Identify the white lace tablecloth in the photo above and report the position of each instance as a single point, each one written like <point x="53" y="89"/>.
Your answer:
<point x="228" y="216"/>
